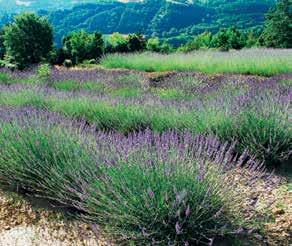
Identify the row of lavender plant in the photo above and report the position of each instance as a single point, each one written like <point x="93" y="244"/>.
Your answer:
<point x="255" y="114"/>
<point x="146" y="188"/>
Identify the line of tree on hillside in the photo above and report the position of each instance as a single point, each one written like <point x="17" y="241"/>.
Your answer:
<point x="29" y="40"/>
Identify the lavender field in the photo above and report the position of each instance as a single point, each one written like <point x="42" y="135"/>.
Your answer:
<point x="161" y="158"/>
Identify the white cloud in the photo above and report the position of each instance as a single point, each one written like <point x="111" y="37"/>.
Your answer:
<point x="23" y="3"/>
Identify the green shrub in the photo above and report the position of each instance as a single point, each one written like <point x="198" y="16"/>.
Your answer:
<point x="2" y="63"/>
<point x="67" y="63"/>
<point x="5" y="79"/>
<point x="44" y="72"/>
<point x="28" y="40"/>
<point x="117" y="43"/>
<point x="81" y="45"/>
<point x="136" y="42"/>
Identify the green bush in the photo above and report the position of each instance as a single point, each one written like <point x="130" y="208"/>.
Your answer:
<point x="28" y="40"/>
<point x="117" y="43"/>
<point x="44" y="72"/>
<point x="67" y="63"/>
<point x="153" y="44"/>
<point x="5" y="78"/>
<point x="80" y="46"/>
<point x="136" y="42"/>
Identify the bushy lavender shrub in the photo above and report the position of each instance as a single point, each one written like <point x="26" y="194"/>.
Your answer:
<point x="146" y="188"/>
<point x="41" y="160"/>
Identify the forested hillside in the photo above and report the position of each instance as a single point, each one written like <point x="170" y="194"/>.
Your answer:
<point x="167" y="19"/>
<point x="174" y="21"/>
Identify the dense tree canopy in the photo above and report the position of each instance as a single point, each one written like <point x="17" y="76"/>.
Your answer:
<point x="224" y="39"/>
<point x="278" y="26"/>
<point x="117" y="43"/>
<point x="28" y="40"/>
<point x="137" y="42"/>
<point x="80" y="46"/>
<point x="171" y="22"/>
<point x="153" y="44"/>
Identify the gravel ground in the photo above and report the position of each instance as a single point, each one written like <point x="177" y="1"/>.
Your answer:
<point x="22" y="224"/>
<point x="268" y="200"/>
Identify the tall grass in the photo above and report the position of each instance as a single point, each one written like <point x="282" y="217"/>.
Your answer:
<point x="145" y="188"/>
<point x="264" y="62"/>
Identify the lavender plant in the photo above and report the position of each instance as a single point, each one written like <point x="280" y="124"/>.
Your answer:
<point x="145" y="187"/>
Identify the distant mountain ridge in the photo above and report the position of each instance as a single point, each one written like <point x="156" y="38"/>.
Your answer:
<point x="172" y="20"/>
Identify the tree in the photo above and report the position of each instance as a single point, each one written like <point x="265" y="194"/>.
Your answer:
<point x="153" y="44"/>
<point x="2" y="48"/>
<point x="28" y="40"/>
<point x="230" y="38"/>
<point x="278" y="26"/>
<point x="252" y="39"/>
<point x="136" y="42"/>
<point x="236" y="38"/>
<point x="166" y="48"/>
<point x="117" y="43"/>
<point x="220" y="40"/>
<point x="80" y="46"/>
<point x="202" y="40"/>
